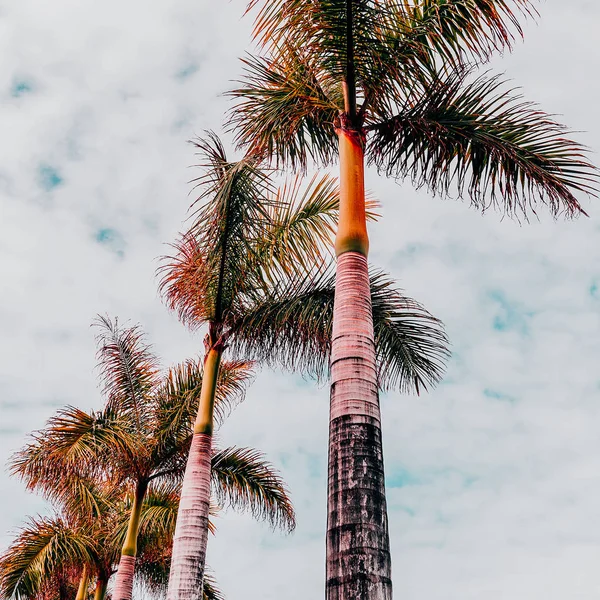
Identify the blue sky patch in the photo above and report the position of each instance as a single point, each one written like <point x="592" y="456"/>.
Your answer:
<point x="399" y="478"/>
<point x="186" y="72"/>
<point x="496" y="395"/>
<point x="111" y="239"/>
<point x="20" y="87"/>
<point x="49" y="178"/>
<point x="510" y="316"/>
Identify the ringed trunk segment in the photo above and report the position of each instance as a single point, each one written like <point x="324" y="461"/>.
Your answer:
<point x="188" y="558"/>
<point x="352" y="226"/>
<point x="83" y="584"/>
<point x="358" y="563"/>
<point x="124" y="582"/>
<point x="126" y="571"/>
<point x="191" y="531"/>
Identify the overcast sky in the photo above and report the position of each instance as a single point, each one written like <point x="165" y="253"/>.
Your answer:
<point x="493" y="479"/>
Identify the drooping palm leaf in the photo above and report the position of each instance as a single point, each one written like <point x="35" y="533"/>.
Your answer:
<point x="292" y="328"/>
<point x="128" y="368"/>
<point x="243" y="479"/>
<point x="73" y="442"/>
<point x="284" y="111"/>
<point x="483" y="141"/>
<point x="44" y="546"/>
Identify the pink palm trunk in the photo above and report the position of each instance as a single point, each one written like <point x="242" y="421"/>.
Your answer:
<point x="191" y="533"/>
<point x="124" y="580"/>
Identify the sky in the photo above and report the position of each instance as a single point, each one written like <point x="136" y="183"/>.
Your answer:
<point x="493" y="479"/>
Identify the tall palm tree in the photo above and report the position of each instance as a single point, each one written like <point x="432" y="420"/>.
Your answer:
<point x="142" y="438"/>
<point x="250" y="269"/>
<point x="392" y="82"/>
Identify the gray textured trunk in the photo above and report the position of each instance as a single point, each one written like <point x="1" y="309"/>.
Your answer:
<point x="358" y="556"/>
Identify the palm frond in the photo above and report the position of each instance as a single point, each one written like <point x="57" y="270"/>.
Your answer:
<point x="289" y="325"/>
<point x="460" y="31"/>
<point x="485" y="142"/>
<point x="292" y="328"/>
<point x="284" y="111"/>
<point x="74" y="443"/>
<point x="302" y="223"/>
<point x="243" y="479"/>
<point x="129" y="370"/>
<point x="411" y="346"/>
<point x="43" y="547"/>
<point x="204" y="279"/>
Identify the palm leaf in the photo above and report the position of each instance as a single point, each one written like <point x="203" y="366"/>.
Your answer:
<point x="284" y="111"/>
<point x="243" y="479"/>
<point x="292" y="328"/>
<point x="44" y="546"/>
<point x="480" y="140"/>
<point x="74" y="443"/>
<point x="128" y="369"/>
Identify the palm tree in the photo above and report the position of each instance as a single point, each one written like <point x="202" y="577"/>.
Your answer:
<point x="142" y="436"/>
<point x="51" y="554"/>
<point x="253" y="268"/>
<point x="393" y="82"/>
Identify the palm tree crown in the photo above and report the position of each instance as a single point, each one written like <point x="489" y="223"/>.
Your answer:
<point x="402" y="75"/>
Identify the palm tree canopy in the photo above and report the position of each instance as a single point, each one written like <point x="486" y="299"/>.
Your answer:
<point x="144" y="431"/>
<point x="409" y="68"/>
<point x="284" y="317"/>
<point x="243" y="227"/>
<point x="44" y="548"/>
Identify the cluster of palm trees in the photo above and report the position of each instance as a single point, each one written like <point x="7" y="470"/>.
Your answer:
<point x="275" y="271"/>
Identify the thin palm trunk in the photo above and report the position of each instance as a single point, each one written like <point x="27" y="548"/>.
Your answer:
<point x="126" y="572"/>
<point x="101" y="585"/>
<point x="83" y="584"/>
<point x="358" y="556"/>
<point x="191" y="531"/>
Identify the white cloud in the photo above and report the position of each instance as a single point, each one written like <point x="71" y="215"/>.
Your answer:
<point x="493" y="478"/>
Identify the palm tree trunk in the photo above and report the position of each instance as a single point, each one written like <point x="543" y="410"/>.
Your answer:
<point x="83" y="584"/>
<point x="101" y="585"/>
<point x="191" y="531"/>
<point x="126" y="572"/>
<point x="358" y="557"/>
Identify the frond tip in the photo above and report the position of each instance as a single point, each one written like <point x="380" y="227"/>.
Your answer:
<point x="243" y="479"/>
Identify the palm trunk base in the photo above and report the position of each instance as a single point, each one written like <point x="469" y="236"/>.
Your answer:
<point x="358" y="557"/>
<point x="124" y="582"/>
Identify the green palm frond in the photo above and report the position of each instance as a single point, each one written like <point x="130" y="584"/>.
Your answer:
<point x="411" y="346"/>
<point x="211" y="589"/>
<point x="460" y="31"/>
<point x="128" y="369"/>
<point x="177" y="405"/>
<point x="289" y="326"/>
<point x="485" y="142"/>
<point x="292" y="328"/>
<point x="302" y="224"/>
<point x="43" y="547"/>
<point x="284" y="110"/>
<point x="204" y="278"/>
<point x="74" y="443"/>
<point x="243" y="479"/>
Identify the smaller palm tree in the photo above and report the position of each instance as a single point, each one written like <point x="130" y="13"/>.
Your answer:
<point x="141" y="438"/>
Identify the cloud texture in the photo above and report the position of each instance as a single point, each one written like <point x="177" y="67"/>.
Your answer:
<point x="493" y="479"/>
